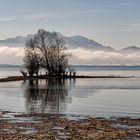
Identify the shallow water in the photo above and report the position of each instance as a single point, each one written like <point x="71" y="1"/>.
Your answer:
<point x="95" y="97"/>
<point x="87" y="70"/>
<point x="5" y="72"/>
<point x="130" y="71"/>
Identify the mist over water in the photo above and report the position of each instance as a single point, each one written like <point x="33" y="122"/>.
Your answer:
<point x="93" y="57"/>
<point x="14" y="55"/>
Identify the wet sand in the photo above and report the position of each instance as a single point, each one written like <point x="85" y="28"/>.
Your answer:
<point x="18" y="126"/>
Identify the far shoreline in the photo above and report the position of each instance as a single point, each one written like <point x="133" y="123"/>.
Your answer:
<point x="20" y="78"/>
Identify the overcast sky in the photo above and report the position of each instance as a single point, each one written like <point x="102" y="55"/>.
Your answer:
<point x="110" y="22"/>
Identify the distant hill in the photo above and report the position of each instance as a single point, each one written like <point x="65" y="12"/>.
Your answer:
<point x="9" y="66"/>
<point x="82" y="41"/>
<point x="71" y="42"/>
<point x="130" y="49"/>
<point x="16" y="41"/>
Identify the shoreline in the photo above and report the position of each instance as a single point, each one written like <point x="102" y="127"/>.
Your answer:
<point x="20" y="78"/>
<point x="60" y="126"/>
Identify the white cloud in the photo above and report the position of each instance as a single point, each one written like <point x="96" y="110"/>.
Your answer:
<point x="97" y="11"/>
<point x="6" y="19"/>
<point x="33" y="16"/>
<point x="44" y="16"/>
<point x="16" y="52"/>
<point x="79" y="56"/>
<point x="126" y="27"/>
<point x="82" y="56"/>
<point x="11" y="55"/>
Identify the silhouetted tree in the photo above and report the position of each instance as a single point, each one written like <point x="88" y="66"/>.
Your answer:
<point x="46" y="50"/>
<point x="32" y="58"/>
<point x="23" y="72"/>
<point x="71" y="71"/>
<point x="52" y="51"/>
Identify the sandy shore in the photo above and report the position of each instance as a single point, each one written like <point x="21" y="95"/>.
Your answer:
<point x="15" y="126"/>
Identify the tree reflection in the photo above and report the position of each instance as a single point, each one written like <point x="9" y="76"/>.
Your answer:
<point x="46" y="96"/>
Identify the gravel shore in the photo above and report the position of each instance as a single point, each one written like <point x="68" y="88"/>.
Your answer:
<point x="18" y="126"/>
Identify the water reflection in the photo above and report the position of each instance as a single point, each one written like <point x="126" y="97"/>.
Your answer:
<point x="46" y="96"/>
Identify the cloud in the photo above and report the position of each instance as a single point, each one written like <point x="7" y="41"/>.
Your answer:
<point x="11" y="55"/>
<point x="126" y="27"/>
<point x="84" y="56"/>
<point x="33" y="16"/>
<point x="63" y="15"/>
<point x="6" y="19"/>
<point x="97" y="11"/>
<point x="15" y="52"/>
<point x="47" y="15"/>
<point x="125" y="3"/>
<point x="14" y="55"/>
<point x="44" y="16"/>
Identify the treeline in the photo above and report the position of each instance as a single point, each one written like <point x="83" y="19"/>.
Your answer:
<point x="46" y="50"/>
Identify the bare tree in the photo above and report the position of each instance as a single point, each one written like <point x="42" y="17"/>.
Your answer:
<point x="52" y="50"/>
<point x="71" y="71"/>
<point x="23" y="72"/>
<point x="46" y="50"/>
<point x="32" y="58"/>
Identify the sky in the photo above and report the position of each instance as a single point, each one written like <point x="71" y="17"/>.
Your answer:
<point x="113" y="23"/>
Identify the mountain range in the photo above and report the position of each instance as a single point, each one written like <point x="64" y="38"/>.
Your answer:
<point x="72" y="42"/>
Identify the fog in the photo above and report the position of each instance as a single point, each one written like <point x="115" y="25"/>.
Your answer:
<point x="14" y="55"/>
<point x="84" y="56"/>
<point x="11" y="55"/>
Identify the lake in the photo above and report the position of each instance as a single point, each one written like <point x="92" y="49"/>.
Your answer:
<point x="104" y="97"/>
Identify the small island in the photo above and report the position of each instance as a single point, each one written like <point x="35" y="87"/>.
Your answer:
<point x="47" y="51"/>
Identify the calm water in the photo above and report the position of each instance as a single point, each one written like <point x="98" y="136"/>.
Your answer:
<point x="110" y="70"/>
<point x="89" y="70"/>
<point x="5" y="72"/>
<point x="95" y="97"/>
